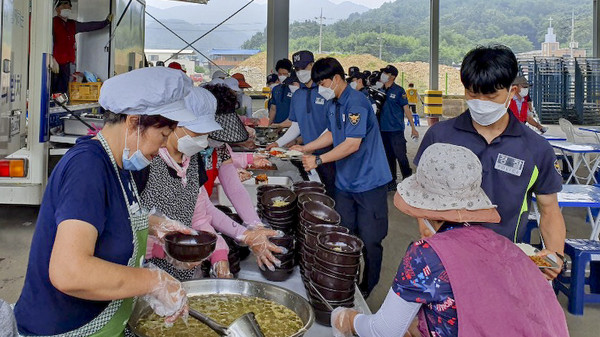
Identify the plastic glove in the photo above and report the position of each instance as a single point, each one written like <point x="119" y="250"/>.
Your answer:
<point x="342" y="322"/>
<point x="167" y="298"/>
<point x="221" y="270"/>
<point x="161" y="225"/>
<point x="258" y="242"/>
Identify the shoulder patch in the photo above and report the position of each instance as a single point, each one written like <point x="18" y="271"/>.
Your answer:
<point x="557" y="166"/>
<point x="354" y="118"/>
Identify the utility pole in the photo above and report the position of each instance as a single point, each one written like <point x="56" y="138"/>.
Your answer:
<point x="320" y="29"/>
<point x="380" y="38"/>
<point x="573" y="44"/>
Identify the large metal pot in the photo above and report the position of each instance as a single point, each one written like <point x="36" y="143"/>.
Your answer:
<point x="264" y="290"/>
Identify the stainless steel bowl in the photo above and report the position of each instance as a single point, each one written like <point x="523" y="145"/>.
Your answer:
<point x="264" y="290"/>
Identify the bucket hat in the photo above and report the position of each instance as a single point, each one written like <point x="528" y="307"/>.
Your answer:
<point x="241" y="80"/>
<point x="447" y="186"/>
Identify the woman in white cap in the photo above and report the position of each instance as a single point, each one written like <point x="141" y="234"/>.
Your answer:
<point x="465" y="280"/>
<point x="173" y="185"/>
<point x="91" y="232"/>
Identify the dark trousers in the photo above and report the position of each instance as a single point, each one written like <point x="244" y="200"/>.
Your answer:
<point x="395" y="150"/>
<point x="366" y="216"/>
<point x="327" y="175"/>
<point x="413" y="108"/>
<point x="60" y="81"/>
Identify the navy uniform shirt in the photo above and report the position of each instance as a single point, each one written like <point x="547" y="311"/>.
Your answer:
<point x="281" y="97"/>
<point x="83" y="186"/>
<point x="309" y="110"/>
<point x="516" y="164"/>
<point x="392" y="112"/>
<point x="351" y="116"/>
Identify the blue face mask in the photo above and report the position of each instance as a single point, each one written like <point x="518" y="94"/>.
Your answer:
<point x="137" y="161"/>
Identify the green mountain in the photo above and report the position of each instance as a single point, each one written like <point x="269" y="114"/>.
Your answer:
<point x="403" y="26"/>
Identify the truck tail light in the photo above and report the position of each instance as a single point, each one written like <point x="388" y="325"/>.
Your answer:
<point x="13" y="168"/>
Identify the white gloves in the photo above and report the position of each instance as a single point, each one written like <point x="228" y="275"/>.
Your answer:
<point x="342" y="322"/>
<point x="167" y="298"/>
<point x="258" y="241"/>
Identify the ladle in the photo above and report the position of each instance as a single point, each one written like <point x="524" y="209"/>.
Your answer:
<point x="245" y="326"/>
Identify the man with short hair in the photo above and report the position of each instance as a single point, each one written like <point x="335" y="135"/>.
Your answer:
<point x="361" y="171"/>
<point x="281" y="95"/>
<point x="64" y="30"/>
<point x="516" y="161"/>
<point x="413" y="97"/>
<point x="391" y="122"/>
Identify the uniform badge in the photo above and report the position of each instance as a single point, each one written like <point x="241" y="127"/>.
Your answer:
<point x="510" y="165"/>
<point x="392" y="96"/>
<point x="557" y="166"/>
<point x="354" y="118"/>
<point x="289" y="94"/>
<point x="319" y="101"/>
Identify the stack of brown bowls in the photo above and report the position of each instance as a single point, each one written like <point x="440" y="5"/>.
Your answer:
<point x="314" y="196"/>
<point x="261" y="189"/>
<point x="335" y="271"/>
<point x="285" y="269"/>
<point x="313" y="214"/>
<point x="284" y="217"/>
<point x="308" y="187"/>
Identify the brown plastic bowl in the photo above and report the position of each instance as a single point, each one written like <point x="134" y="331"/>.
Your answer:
<point x="278" y="275"/>
<point x="190" y="248"/>
<point x="263" y="188"/>
<point x="303" y="184"/>
<point x="304" y="190"/>
<point x="270" y="196"/>
<point x="337" y="268"/>
<point x="341" y="259"/>
<point x="329" y="280"/>
<point x="340" y="243"/>
<point x="317" y="213"/>
<point x="334" y="294"/>
<point x="318" y="197"/>
<point x="286" y="241"/>
<point x="285" y="257"/>
<point x="314" y="230"/>
<point x="350" y="277"/>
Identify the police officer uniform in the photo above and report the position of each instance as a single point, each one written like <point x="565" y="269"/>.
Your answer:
<point x="392" y="129"/>
<point x="516" y="164"/>
<point x="361" y="178"/>
<point x="281" y="98"/>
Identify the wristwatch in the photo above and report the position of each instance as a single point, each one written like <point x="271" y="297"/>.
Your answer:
<point x="318" y="160"/>
<point x="564" y="260"/>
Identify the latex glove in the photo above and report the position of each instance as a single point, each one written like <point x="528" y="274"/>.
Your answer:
<point x="258" y="242"/>
<point x="221" y="270"/>
<point x="261" y="162"/>
<point x="182" y="265"/>
<point x="161" y="226"/>
<point x="342" y="321"/>
<point x="272" y="145"/>
<point x="297" y="148"/>
<point x="167" y="298"/>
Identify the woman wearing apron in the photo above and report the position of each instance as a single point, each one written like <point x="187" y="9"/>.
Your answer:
<point x="465" y="280"/>
<point x="173" y="185"/>
<point x="83" y="272"/>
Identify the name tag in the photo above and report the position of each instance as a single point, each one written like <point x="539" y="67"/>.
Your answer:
<point x="289" y="94"/>
<point x="392" y="96"/>
<point x="509" y="164"/>
<point x="320" y="101"/>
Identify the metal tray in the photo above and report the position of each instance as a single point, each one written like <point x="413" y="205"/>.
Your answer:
<point x="285" y="297"/>
<point x="530" y="250"/>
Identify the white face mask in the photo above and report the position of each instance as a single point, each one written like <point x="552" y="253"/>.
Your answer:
<point x="272" y="85"/>
<point x="293" y="88"/>
<point x="282" y="78"/>
<point x="353" y="85"/>
<point x="303" y="75"/>
<point x="385" y="78"/>
<point x="487" y="112"/>
<point x="524" y="92"/>
<point x="327" y="93"/>
<point x="66" y="13"/>
<point x="190" y="146"/>
<point x="379" y="85"/>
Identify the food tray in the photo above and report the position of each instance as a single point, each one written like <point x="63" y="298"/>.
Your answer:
<point x="530" y="250"/>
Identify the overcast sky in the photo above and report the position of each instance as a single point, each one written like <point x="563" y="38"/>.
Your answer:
<point x="367" y="3"/>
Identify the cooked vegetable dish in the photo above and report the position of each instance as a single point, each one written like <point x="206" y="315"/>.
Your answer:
<point x="275" y="320"/>
<point x="540" y="261"/>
